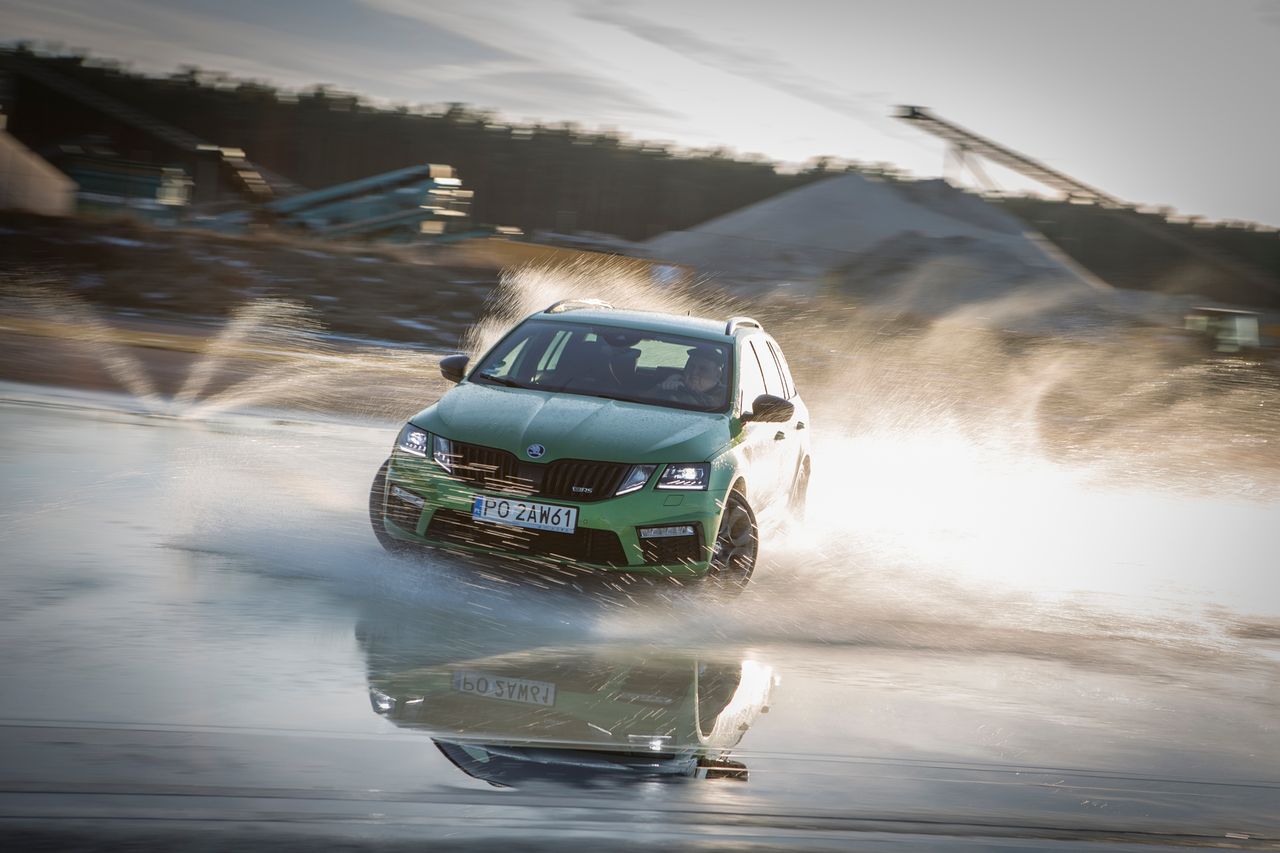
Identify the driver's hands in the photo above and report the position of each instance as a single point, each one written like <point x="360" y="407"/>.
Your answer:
<point x="672" y="383"/>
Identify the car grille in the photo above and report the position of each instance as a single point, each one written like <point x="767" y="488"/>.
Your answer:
<point x="585" y="545"/>
<point x="489" y="468"/>
<point x="568" y="479"/>
<point x="668" y="550"/>
<point x="582" y="481"/>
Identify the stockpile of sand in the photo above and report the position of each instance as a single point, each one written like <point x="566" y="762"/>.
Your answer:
<point x="921" y="249"/>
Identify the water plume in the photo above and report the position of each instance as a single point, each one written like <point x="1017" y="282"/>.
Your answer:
<point x="264" y="322"/>
<point x="76" y="322"/>
<point x="528" y="289"/>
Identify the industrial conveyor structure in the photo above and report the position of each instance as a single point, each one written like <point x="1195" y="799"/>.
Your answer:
<point x="965" y="142"/>
<point x="416" y="202"/>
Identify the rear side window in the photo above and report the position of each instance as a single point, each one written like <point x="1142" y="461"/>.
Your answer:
<point x="753" y="384"/>
<point x="772" y="379"/>
<point x="787" y="381"/>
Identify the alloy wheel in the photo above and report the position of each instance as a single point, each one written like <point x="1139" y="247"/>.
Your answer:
<point x="733" y="557"/>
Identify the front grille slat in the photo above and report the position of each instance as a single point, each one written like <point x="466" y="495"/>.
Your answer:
<point x="567" y="479"/>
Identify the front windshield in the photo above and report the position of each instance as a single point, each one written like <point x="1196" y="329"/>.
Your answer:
<point x="635" y="365"/>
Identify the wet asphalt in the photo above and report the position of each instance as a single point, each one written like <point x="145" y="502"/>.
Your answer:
<point x="203" y="643"/>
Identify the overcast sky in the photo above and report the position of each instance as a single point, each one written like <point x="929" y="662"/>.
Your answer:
<point x="1162" y="102"/>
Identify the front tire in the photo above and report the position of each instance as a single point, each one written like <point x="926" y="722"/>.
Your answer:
<point x="799" y="499"/>
<point x="377" y="506"/>
<point x="737" y="544"/>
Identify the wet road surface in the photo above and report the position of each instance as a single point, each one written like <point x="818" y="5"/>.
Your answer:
<point x="202" y="640"/>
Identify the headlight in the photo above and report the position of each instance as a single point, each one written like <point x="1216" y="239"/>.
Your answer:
<point x="412" y="440"/>
<point x="686" y="476"/>
<point x="635" y="479"/>
<point x="442" y="453"/>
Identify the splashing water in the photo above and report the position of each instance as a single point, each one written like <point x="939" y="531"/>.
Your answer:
<point x="971" y="468"/>
<point x="529" y="289"/>
<point x="955" y="470"/>
<point x="270" y="352"/>
<point x="92" y="335"/>
<point x="270" y="322"/>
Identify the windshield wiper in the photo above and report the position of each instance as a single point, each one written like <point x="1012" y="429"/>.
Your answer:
<point x="501" y="380"/>
<point x="603" y="395"/>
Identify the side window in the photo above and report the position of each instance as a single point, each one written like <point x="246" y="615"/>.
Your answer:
<point x="752" y="382"/>
<point x="787" y="381"/>
<point x="772" y="380"/>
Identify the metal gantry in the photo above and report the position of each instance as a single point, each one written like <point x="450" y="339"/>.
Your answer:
<point x="965" y="142"/>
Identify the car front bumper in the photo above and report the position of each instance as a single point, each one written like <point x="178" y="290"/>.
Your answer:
<point x="444" y="519"/>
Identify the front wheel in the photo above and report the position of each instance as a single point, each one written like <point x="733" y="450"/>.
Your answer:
<point x="733" y="557"/>
<point x="377" y="506"/>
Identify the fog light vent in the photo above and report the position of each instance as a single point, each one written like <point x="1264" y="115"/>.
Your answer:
<point x="666" y="532"/>
<point x="670" y="544"/>
<point x="408" y="497"/>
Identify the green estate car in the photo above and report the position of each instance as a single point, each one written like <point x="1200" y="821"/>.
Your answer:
<point x="618" y="440"/>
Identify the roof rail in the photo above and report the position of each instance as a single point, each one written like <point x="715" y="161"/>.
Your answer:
<point x="575" y="304"/>
<point x="736" y="323"/>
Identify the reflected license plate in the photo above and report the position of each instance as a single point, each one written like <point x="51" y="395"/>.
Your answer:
<point x="507" y="689"/>
<point x="535" y="516"/>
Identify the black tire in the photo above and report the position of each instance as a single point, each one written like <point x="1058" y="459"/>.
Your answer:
<point x="377" y="505"/>
<point x="799" y="499"/>
<point x="737" y="544"/>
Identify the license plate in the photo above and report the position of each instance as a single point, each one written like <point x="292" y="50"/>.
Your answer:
<point x="507" y="689"/>
<point x="535" y="516"/>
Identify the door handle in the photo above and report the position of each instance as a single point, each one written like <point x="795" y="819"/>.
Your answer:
<point x="779" y="435"/>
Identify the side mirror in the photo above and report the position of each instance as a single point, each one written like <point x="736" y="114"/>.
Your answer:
<point x="770" y="409"/>
<point x="454" y="367"/>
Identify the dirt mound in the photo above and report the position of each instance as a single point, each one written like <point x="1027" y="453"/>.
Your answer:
<point x="921" y="249"/>
<point x="803" y="233"/>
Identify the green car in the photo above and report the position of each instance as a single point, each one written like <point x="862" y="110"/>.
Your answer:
<point x="622" y="441"/>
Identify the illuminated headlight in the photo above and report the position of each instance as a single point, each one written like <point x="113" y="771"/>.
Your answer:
<point x="665" y="532"/>
<point x="635" y="479"/>
<point x="413" y="440"/>
<point x="442" y="453"/>
<point x="686" y="476"/>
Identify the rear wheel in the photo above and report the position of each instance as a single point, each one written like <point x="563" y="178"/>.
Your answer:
<point x="799" y="493"/>
<point x="733" y="557"/>
<point x="377" y="506"/>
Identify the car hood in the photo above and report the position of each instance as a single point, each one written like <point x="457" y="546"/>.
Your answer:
<point x="571" y="426"/>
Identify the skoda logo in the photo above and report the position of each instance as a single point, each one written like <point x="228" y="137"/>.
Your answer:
<point x="535" y="451"/>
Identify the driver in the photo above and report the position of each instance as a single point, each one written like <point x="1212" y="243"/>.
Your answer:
<point x="699" y="383"/>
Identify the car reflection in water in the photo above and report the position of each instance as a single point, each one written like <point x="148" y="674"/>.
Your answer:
<point x="582" y="716"/>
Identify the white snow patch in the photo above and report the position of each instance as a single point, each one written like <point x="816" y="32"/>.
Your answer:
<point x="413" y="324"/>
<point x="122" y="241"/>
